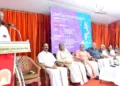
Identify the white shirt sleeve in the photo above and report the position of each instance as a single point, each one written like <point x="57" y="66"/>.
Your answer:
<point x="58" y="55"/>
<point x="4" y="35"/>
<point x="68" y="52"/>
<point x="40" y="59"/>
<point x="104" y="52"/>
<point x="64" y="56"/>
<point x="112" y="52"/>
<point x="46" y="58"/>
<point x="53" y="58"/>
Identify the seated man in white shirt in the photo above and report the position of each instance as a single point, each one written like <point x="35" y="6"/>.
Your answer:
<point x="58" y="75"/>
<point x="111" y="51"/>
<point x="107" y="60"/>
<point x="105" y="52"/>
<point x="77" y="69"/>
<point x="4" y="35"/>
<point x="116" y="52"/>
<point x="117" y="49"/>
<point x="113" y="57"/>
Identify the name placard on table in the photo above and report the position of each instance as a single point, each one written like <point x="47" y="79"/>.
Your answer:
<point x="14" y="47"/>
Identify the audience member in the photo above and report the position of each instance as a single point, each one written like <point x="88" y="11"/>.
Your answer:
<point x="58" y="75"/>
<point x="77" y="69"/>
<point x="89" y="62"/>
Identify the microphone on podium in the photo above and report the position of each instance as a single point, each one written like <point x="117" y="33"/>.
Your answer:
<point x="17" y="67"/>
<point x="6" y="24"/>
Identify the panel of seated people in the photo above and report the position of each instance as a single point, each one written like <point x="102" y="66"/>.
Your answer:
<point x="81" y="63"/>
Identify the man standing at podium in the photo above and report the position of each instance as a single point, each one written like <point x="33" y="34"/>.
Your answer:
<point x="4" y="35"/>
<point x="5" y="70"/>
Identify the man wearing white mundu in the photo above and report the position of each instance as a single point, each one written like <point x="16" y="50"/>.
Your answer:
<point x="58" y="75"/>
<point x="77" y="69"/>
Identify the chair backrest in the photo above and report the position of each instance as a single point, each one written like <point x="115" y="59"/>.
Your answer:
<point x="25" y="63"/>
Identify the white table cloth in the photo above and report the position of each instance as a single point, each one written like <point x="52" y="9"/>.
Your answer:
<point x="111" y="74"/>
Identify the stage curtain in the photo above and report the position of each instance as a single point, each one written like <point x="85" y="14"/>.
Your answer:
<point x="32" y="26"/>
<point x="100" y="34"/>
<point x="114" y="33"/>
<point x="44" y="31"/>
<point x="36" y="28"/>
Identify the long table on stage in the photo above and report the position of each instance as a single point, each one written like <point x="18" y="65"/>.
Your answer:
<point x="111" y="74"/>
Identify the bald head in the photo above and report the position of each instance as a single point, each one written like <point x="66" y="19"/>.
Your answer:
<point x="82" y="47"/>
<point x="102" y="47"/>
<point x="110" y="47"/>
<point x="94" y="45"/>
<point x="61" y="46"/>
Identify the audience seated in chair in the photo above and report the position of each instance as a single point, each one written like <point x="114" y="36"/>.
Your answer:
<point x="58" y="75"/>
<point x="45" y="80"/>
<point x="90" y="63"/>
<point x="94" y="52"/>
<point x="108" y="58"/>
<point x="111" y="51"/>
<point x="117" y="52"/>
<point x="77" y="69"/>
<point x="105" y="52"/>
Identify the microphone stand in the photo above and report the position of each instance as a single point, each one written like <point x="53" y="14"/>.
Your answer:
<point x="16" y="66"/>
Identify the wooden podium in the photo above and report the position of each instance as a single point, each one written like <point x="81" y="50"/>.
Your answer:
<point x="8" y="52"/>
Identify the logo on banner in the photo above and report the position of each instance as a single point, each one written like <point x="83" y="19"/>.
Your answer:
<point x="87" y="31"/>
<point x="5" y="77"/>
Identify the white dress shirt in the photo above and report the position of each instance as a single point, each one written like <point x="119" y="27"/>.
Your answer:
<point x="46" y="58"/>
<point x="112" y="52"/>
<point x="105" y="53"/>
<point x="4" y="35"/>
<point x="64" y="56"/>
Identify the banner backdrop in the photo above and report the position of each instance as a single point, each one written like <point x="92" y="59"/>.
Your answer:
<point x="70" y="28"/>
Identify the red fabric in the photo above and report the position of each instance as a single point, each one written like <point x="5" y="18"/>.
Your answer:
<point x="114" y="33"/>
<point x="106" y="34"/>
<point x="100" y="34"/>
<point x="36" y="28"/>
<point x="5" y="60"/>
<point x="32" y="26"/>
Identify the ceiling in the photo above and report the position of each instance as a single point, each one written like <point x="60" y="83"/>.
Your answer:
<point x="111" y="7"/>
